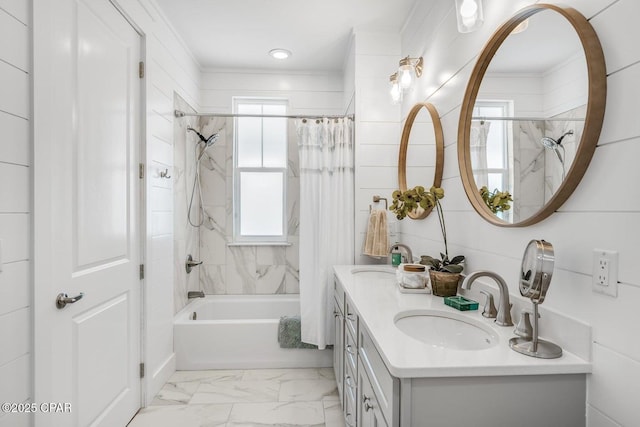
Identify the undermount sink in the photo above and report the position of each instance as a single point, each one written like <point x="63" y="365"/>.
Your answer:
<point x="374" y="272"/>
<point x="446" y="330"/>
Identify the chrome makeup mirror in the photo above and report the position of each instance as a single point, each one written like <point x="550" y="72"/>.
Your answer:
<point x="535" y="277"/>
<point x="531" y="115"/>
<point x="421" y="150"/>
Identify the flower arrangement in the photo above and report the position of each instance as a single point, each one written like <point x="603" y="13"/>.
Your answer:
<point x="496" y="201"/>
<point x="412" y="199"/>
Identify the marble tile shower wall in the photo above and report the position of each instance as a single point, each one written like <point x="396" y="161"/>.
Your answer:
<point x="535" y="165"/>
<point x="242" y="269"/>
<point x="185" y="236"/>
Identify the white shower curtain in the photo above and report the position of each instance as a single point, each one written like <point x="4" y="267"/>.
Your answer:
<point x="478" y="151"/>
<point x="326" y="219"/>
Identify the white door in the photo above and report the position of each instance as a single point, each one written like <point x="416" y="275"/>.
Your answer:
<point x="86" y="213"/>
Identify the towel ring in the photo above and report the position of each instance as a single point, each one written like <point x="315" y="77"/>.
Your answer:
<point x="377" y="199"/>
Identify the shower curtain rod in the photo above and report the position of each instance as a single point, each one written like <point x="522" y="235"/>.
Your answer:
<point x="533" y="119"/>
<point x="179" y="113"/>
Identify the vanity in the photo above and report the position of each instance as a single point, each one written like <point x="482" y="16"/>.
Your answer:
<point x="409" y="360"/>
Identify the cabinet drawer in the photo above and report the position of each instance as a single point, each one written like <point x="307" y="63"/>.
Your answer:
<point x="350" y="381"/>
<point x="350" y="409"/>
<point x="385" y="386"/>
<point x="350" y="316"/>
<point x="350" y="350"/>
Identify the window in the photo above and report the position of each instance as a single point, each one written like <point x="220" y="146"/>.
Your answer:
<point x="499" y="145"/>
<point x="260" y="171"/>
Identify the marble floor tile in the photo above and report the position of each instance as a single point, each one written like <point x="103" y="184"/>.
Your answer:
<point x="179" y="393"/>
<point x="206" y="376"/>
<point x="277" y="414"/>
<point x="308" y="390"/>
<point x="236" y="392"/>
<point x="182" y="416"/>
<point x="327" y="373"/>
<point x="282" y="374"/>
<point x="333" y="416"/>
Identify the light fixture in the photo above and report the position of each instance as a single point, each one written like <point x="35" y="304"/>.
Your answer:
<point x="408" y="69"/>
<point x="396" y="93"/>
<point x="469" y="15"/>
<point x="280" y="53"/>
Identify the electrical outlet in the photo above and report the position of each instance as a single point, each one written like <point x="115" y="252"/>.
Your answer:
<point x="605" y="272"/>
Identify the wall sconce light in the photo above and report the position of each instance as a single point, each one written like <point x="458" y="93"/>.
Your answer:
<point x="469" y="15"/>
<point x="408" y="69"/>
<point x="396" y="93"/>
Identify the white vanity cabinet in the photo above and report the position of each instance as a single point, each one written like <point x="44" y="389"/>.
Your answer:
<point x="531" y="393"/>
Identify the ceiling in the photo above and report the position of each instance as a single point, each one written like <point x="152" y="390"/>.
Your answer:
<point x="238" y="34"/>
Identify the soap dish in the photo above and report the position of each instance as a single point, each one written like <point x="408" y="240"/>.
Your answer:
<point x="461" y="303"/>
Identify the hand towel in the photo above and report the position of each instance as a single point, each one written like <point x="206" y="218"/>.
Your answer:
<point x="376" y="243"/>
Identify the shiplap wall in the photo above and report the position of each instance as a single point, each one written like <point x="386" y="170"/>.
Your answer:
<point x="308" y="93"/>
<point x="603" y="212"/>
<point x="170" y="68"/>
<point x="377" y="127"/>
<point x="15" y="207"/>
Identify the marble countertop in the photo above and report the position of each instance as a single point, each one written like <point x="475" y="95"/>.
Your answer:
<point x="378" y="300"/>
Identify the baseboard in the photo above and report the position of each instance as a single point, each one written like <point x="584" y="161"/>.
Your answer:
<point x="159" y="377"/>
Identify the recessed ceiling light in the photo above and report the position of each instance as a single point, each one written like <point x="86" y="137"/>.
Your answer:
<point x="280" y="53"/>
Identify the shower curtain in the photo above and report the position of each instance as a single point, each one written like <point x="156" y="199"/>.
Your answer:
<point x="478" y="151"/>
<point x="326" y="219"/>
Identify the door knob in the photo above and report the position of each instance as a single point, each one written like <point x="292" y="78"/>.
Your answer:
<point x="63" y="299"/>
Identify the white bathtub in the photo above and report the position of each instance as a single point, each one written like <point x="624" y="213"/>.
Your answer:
<point x="239" y="332"/>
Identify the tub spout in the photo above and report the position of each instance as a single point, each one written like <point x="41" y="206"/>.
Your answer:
<point x="195" y="294"/>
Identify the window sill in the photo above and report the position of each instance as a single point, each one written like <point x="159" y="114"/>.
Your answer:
<point x="259" y="244"/>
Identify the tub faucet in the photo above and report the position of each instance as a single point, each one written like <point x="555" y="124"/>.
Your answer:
<point x="195" y="294"/>
<point x="400" y="247"/>
<point x="190" y="263"/>
<point x="503" y="317"/>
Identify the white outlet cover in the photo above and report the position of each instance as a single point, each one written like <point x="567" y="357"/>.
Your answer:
<point x="611" y="257"/>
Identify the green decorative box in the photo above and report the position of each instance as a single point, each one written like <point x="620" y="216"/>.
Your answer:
<point x="461" y="303"/>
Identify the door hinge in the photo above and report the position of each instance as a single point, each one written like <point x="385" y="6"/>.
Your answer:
<point x="141" y="69"/>
<point x="141" y="271"/>
<point x="142" y="370"/>
<point x="141" y="170"/>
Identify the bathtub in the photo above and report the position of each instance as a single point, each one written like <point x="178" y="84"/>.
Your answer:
<point x="239" y="332"/>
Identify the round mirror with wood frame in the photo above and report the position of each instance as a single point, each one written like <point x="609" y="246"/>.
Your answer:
<point x="439" y="152"/>
<point x="595" y="88"/>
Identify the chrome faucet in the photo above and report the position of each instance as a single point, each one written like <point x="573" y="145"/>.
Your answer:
<point x="195" y="294"/>
<point x="503" y="317"/>
<point x="407" y="250"/>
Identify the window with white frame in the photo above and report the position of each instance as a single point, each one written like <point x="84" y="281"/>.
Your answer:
<point x="499" y="145"/>
<point x="260" y="171"/>
<point x="498" y="141"/>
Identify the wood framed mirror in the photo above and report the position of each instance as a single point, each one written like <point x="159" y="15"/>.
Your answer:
<point x="532" y="114"/>
<point x="421" y="150"/>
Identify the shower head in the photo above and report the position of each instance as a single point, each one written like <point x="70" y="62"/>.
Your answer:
<point x="551" y="143"/>
<point x="207" y="141"/>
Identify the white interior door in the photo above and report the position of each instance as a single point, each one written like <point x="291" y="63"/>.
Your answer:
<point x="87" y="210"/>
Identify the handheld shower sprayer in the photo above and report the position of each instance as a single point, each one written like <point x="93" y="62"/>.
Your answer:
<point x="556" y="145"/>
<point x="207" y="141"/>
<point x="551" y="143"/>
